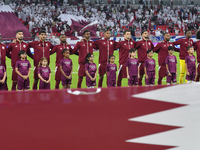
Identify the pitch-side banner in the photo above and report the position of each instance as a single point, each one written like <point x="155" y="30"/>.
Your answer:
<point x="132" y="118"/>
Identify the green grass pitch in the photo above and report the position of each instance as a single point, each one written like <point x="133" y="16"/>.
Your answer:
<point x="75" y="71"/>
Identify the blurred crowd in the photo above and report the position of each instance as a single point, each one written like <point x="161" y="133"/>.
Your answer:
<point x="43" y="15"/>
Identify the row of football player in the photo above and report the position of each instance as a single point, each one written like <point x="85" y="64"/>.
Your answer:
<point x="106" y="48"/>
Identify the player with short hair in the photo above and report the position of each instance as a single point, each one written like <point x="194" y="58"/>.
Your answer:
<point x="149" y="68"/>
<point x="85" y="46"/>
<point x="41" y="49"/>
<point x="171" y="62"/>
<point x="190" y="65"/>
<point x="106" y="48"/>
<point x="197" y="48"/>
<point x="162" y="50"/>
<point x="23" y="69"/>
<point x="14" y="49"/>
<point x="124" y="47"/>
<point x="132" y="67"/>
<point x="184" y="43"/>
<point x="59" y="55"/>
<point x="142" y="47"/>
<point x="66" y="68"/>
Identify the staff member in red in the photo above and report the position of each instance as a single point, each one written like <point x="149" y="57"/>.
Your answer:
<point x="197" y="48"/>
<point x="14" y="49"/>
<point x="3" y="54"/>
<point x="84" y="48"/>
<point x="41" y="49"/>
<point x="106" y="48"/>
<point x="124" y="47"/>
<point x="58" y="49"/>
<point x="142" y="46"/>
<point x="162" y="50"/>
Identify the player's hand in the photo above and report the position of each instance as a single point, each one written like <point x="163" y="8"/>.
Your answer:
<point x="92" y="79"/>
<point x="169" y="74"/>
<point x="24" y="77"/>
<point x="82" y="40"/>
<point x="128" y="77"/>
<point x="48" y="81"/>
<point x="70" y="76"/>
<point x="1" y="81"/>
<point x="14" y="41"/>
<point x="155" y="76"/>
<point x="131" y="39"/>
<point x="188" y="73"/>
<point x="146" y="76"/>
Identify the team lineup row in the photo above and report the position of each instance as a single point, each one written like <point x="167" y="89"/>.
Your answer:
<point x="106" y="48"/>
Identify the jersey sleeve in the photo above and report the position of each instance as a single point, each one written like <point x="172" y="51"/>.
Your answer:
<point x="53" y="50"/>
<point x="186" y="59"/>
<point x="29" y="64"/>
<point x="29" y="52"/>
<point x="156" y="48"/>
<point x="31" y="44"/>
<point x="71" y="64"/>
<point x="17" y="65"/>
<point x="166" y="60"/>
<point x="39" y="70"/>
<point x="137" y="44"/>
<point x="9" y="47"/>
<point x="152" y="46"/>
<point x="72" y="52"/>
<point x="118" y="45"/>
<point x="49" y="70"/>
<point x="195" y="46"/>
<point x="178" y="42"/>
<point x="7" y="53"/>
<point x="76" y="48"/>
<point x="4" y="70"/>
<point x="61" y="62"/>
<point x="96" y="43"/>
<point x="86" y="66"/>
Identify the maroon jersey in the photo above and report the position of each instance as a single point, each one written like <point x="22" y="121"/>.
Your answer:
<point x="106" y="48"/>
<point x="41" y="49"/>
<point x="191" y="63"/>
<point x="132" y="65"/>
<point x="184" y="43"/>
<point x="84" y="48"/>
<point x="111" y="69"/>
<point x="150" y="65"/>
<point x="14" y="48"/>
<point x="171" y="62"/>
<point x="2" y="71"/>
<point x="23" y="66"/>
<point x="142" y="46"/>
<point x="58" y="49"/>
<point x="124" y="47"/>
<point x="197" y="48"/>
<point x="66" y="66"/>
<point x="3" y="54"/>
<point x="162" y="50"/>
<point x="44" y="72"/>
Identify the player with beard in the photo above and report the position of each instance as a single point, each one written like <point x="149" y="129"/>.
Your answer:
<point x="58" y="49"/>
<point x="14" y="49"/>
<point x="3" y="54"/>
<point x="106" y="48"/>
<point x="124" y="48"/>
<point x="142" y="47"/>
<point x="41" y="49"/>
<point x="85" y="46"/>
<point x="197" y="48"/>
<point x="184" y="43"/>
<point x="162" y="50"/>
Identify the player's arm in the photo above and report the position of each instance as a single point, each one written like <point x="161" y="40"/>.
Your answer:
<point x="156" y="48"/>
<point x="29" y="53"/>
<point x="72" y="52"/>
<point x="186" y="68"/>
<point x="128" y="77"/>
<point x="96" y="45"/>
<point x="138" y="71"/>
<point x="49" y="77"/>
<point x="95" y="74"/>
<point x="152" y="46"/>
<point x="137" y="44"/>
<point x="53" y="50"/>
<point x="61" y="70"/>
<point x="145" y="71"/>
<point x="117" y="46"/>
<point x="8" y="53"/>
<point x="76" y="48"/>
<point x="87" y="73"/>
<point x="178" y="42"/>
<point x="167" y="67"/>
<point x="70" y="76"/>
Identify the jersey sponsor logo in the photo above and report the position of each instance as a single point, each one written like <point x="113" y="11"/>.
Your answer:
<point x="67" y="63"/>
<point x="92" y="67"/>
<point x="170" y="44"/>
<point x="192" y="59"/>
<point x="24" y="64"/>
<point x="151" y="62"/>
<point x="45" y="70"/>
<point x="172" y="60"/>
<point x="112" y="68"/>
<point x="24" y="46"/>
<point x="134" y="63"/>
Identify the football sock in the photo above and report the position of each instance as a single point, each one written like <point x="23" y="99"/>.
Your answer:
<point x="160" y="80"/>
<point x="79" y="82"/>
<point x="14" y="84"/>
<point x="119" y="82"/>
<point x="100" y="82"/>
<point x="57" y="84"/>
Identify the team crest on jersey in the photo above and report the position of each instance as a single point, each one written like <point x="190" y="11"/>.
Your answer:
<point x="3" y="47"/>
<point x="111" y="43"/>
<point x="149" y="44"/>
<point x="164" y="45"/>
<point x="125" y="44"/>
<point x="104" y="43"/>
<point x="143" y="44"/>
<point x="39" y="45"/>
<point x="90" y="44"/>
<point x="185" y="42"/>
<point x="46" y="44"/>
<point x="24" y="46"/>
<point x="60" y="48"/>
<point x="131" y="43"/>
<point x="16" y="46"/>
<point x="83" y="44"/>
<point x="170" y="44"/>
